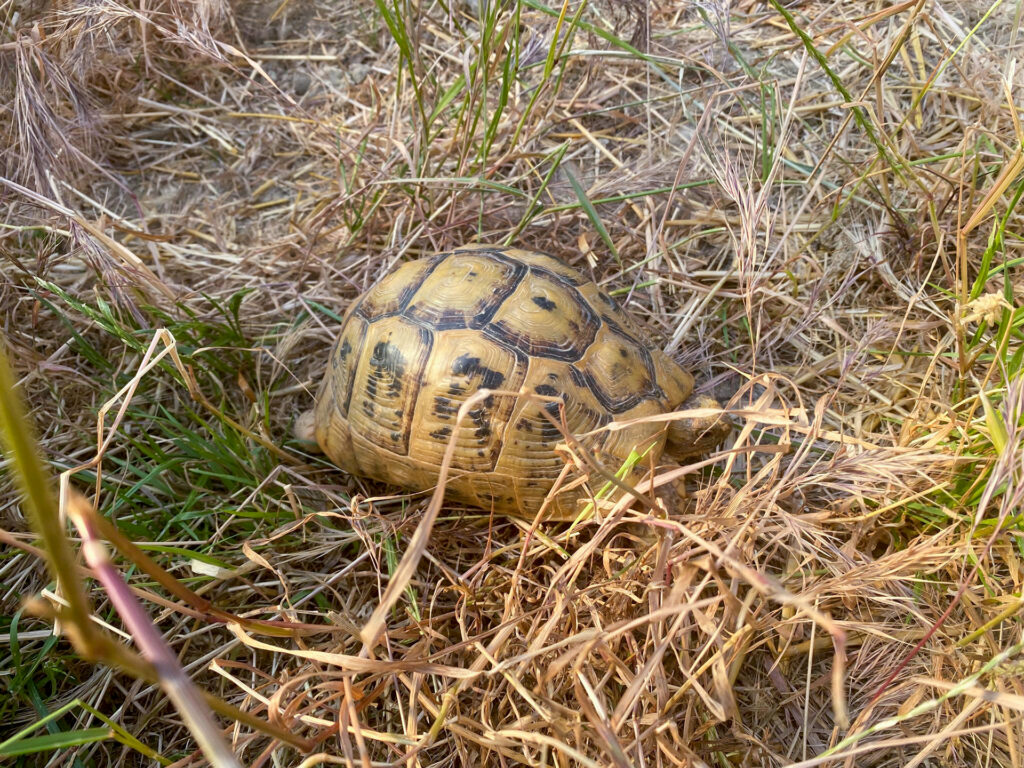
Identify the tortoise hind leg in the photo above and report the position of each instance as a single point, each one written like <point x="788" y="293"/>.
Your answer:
<point x="304" y="432"/>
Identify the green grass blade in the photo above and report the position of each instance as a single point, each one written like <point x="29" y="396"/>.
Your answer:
<point x="996" y="426"/>
<point x="859" y="114"/>
<point x="55" y="741"/>
<point x="533" y="209"/>
<point x="40" y="501"/>
<point x="591" y="211"/>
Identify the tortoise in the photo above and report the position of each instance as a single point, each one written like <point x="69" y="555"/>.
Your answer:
<point x="559" y="353"/>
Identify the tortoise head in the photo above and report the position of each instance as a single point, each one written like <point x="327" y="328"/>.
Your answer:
<point x="699" y="433"/>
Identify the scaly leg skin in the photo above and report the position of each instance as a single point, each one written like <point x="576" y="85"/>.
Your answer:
<point x="304" y="432"/>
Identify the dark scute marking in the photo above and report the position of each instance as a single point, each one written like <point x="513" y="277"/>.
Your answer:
<point x="544" y="303"/>
<point x="519" y="272"/>
<point x="577" y="279"/>
<point x="523" y="343"/>
<point x="464" y="365"/>
<point x="442" y="433"/>
<point x="360" y="310"/>
<point x="490" y="250"/>
<point x="525" y="425"/>
<point x="546" y="390"/>
<point x="623" y="352"/>
<point x="450" y="320"/>
<point x="388" y="361"/>
<point x="578" y="379"/>
<point x="387" y="355"/>
<point x="349" y="382"/>
<point x="407" y="293"/>
<point x="444" y="408"/>
<point x="368" y="408"/>
<point x="396" y="436"/>
<point x="548" y="431"/>
<point x="343" y="351"/>
<point x="479" y="453"/>
<point x="481" y="420"/>
<point x="610" y="322"/>
<point x="614" y="405"/>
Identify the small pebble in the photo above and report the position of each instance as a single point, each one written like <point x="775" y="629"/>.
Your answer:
<point x="357" y="72"/>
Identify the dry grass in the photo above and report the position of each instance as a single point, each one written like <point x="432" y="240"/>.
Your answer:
<point x="845" y="587"/>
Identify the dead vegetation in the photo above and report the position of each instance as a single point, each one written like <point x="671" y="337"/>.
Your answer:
<point x="817" y="214"/>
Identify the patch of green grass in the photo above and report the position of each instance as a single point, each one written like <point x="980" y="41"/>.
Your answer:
<point x="175" y="470"/>
<point x="26" y="745"/>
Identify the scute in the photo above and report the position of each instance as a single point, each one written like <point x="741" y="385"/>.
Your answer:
<point x="392" y="292"/>
<point x="463" y="291"/>
<point x="545" y="317"/>
<point x="539" y="260"/>
<point x="619" y="370"/>
<point x="462" y="363"/>
<point x="387" y="383"/>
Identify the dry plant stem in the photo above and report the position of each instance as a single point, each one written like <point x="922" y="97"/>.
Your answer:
<point x="180" y="689"/>
<point x="374" y="627"/>
<point x="96" y="231"/>
<point x="149" y="566"/>
<point x="942" y="619"/>
<point x="104" y="650"/>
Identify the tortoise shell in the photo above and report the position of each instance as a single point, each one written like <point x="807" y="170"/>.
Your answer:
<point x="559" y="353"/>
